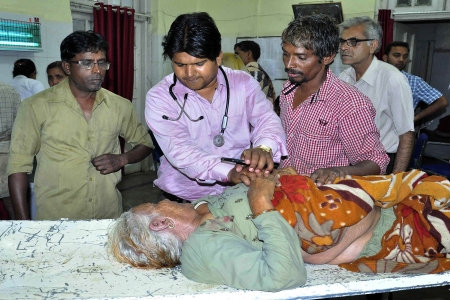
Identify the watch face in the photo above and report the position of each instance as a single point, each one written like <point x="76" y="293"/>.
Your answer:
<point x="218" y="140"/>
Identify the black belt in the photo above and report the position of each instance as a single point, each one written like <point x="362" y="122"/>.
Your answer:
<point x="390" y="166"/>
<point x="172" y="197"/>
<point x="391" y="155"/>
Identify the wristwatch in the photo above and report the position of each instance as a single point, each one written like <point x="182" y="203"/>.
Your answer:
<point x="265" y="148"/>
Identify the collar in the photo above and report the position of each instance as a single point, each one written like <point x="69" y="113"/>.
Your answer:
<point x="62" y="93"/>
<point x="325" y="88"/>
<point x="181" y="89"/>
<point x="370" y="76"/>
<point x="321" y="94"/>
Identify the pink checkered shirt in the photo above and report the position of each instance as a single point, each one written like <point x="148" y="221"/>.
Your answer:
<point x="333" y="128"/>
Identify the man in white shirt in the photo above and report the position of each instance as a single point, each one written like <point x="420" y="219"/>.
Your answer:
<point x="386" y="87"/>
<point x="24" y="78"/>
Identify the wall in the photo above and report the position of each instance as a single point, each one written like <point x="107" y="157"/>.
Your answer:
<point x="427" y="33"/>
<point x="56" y="25"/>
<point x="252" y="18"/>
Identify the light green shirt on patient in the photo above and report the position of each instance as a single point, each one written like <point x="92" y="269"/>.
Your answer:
<point x="242" y="252"/>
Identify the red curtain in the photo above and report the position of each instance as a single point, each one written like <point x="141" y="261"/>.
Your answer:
<point x="387" y="24"/>
<point x="116" y="25"/>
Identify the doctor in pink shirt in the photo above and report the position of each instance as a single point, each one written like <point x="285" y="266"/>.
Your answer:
<point x="203" y="112"/>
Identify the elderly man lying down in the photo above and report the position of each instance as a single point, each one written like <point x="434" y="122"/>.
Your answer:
<point x="249" y="237"/>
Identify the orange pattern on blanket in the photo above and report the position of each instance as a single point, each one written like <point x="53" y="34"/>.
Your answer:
<point x="329" y="211"/>
<point x="418" y="242"/>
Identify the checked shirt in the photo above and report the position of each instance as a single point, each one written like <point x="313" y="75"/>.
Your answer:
<point x="333" y="128"/>
<point x="421" y="90"/>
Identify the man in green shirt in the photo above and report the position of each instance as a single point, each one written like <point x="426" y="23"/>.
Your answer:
<point x="73" y="129"/>
<point x="9" y="103"/>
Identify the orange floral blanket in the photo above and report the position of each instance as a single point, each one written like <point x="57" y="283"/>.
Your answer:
<point x="419" y="240"/>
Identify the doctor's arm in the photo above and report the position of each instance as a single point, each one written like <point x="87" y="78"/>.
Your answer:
<point x="268" y="136"/>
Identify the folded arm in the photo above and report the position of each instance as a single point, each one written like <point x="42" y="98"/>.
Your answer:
<point x="231" y="260"/>
<point x="223" y="257"/>
<point x="109" y="163"/>
<point x="438" y="105"/>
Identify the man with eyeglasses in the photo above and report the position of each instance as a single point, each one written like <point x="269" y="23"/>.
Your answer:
<point x="73" y="129"/>
<point x="386" y="87"/>
<point x="329" y="124"/>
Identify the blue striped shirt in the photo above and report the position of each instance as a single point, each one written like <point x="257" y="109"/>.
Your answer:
<point x="421" y="90"/>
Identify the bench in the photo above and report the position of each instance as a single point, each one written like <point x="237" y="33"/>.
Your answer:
<point x="67" y="259"/>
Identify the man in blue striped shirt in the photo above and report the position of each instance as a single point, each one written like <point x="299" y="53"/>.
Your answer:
<point x="397" y="54"/>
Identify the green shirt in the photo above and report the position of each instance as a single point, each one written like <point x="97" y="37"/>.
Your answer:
<point x="52" y="126"/>
<point x="242" y="252"/>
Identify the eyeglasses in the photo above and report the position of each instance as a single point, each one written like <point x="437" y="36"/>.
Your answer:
<point x="353" y="41"/>
<point x="89" y="64"/>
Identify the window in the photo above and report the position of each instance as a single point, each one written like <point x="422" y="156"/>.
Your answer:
<point x="410" y="3"/>
<point x="20" y="35"/>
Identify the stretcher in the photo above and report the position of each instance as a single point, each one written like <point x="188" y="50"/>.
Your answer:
<point x="67" y="259"/>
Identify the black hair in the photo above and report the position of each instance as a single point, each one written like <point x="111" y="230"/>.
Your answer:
<point x="388" y="47"/>
<point x="81" y="42"/>
<point x="25" y="67"/>
<point x="317" y="32"/>
<point x="196" y="34"/>
<point x="55" y="64"/>
<point x="250" y="46"/>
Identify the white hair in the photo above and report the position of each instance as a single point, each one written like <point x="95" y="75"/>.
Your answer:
<point x="130" y="240"/>
<point x="372" y="29"/>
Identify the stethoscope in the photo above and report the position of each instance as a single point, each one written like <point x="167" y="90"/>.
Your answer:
<point x="218" y="140"/>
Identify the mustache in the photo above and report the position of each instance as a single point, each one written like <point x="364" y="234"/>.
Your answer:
<point x="287" y="70"/>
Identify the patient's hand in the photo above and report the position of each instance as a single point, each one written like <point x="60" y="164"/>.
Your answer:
<point x="244" y="175"/>
<point x="261" y="191"/>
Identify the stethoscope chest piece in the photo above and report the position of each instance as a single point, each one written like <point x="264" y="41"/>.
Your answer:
<point x="218" y="140"/>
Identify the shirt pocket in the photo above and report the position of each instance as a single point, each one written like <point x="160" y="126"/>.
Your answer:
<point x="107" y="141"/>
<point x="319" y="136"/>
